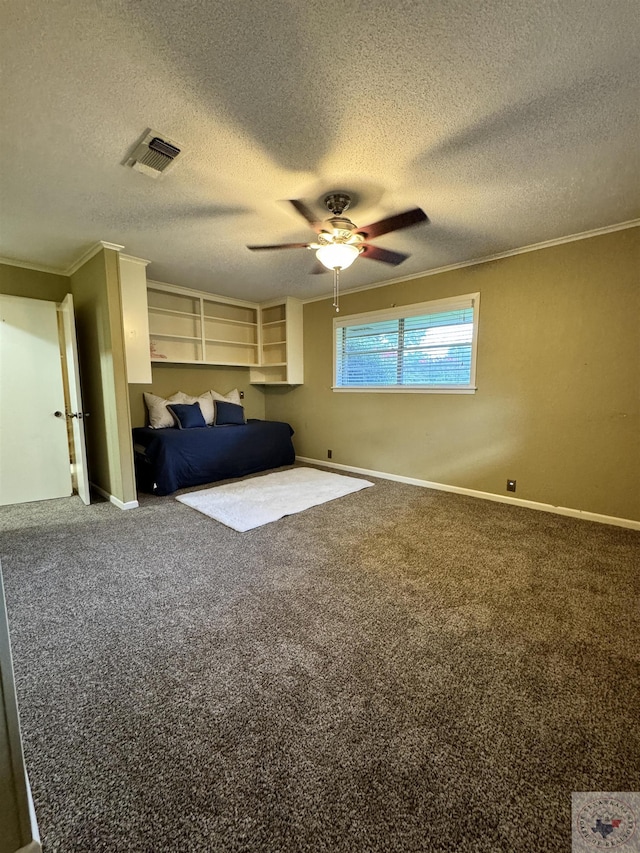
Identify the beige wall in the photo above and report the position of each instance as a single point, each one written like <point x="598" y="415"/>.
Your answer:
<point x="557" y="406"/>
<point x="31" y="284"/>
<point x="96" y="294"/>
<point x="15" y="823"/>
<point x="11" y="836"/>
<point x="195" y="380"/>
<point x="558" y="400"/>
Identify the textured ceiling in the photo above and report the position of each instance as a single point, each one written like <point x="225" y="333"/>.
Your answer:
<point x="509" y="122"/>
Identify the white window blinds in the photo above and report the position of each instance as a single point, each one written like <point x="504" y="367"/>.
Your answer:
<point x="429" y="346"/>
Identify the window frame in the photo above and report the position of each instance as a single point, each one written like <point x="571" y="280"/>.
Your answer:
<point x="434" y="306"/>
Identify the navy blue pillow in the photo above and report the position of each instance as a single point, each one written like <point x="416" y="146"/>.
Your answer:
<point x="187" y="415"/>
<point x="228" y="413"/>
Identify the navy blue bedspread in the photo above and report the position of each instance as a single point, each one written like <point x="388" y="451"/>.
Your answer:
<point x="171" y="459"/>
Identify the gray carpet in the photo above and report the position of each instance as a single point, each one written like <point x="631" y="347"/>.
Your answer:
<point x="398" y="670"/>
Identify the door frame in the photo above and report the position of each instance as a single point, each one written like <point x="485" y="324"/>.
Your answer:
<point x="73" y="391"/>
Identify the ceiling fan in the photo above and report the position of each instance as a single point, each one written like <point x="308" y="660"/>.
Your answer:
<point x="339" y="242"/>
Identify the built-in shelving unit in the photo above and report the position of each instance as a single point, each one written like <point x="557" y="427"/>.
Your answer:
<point x="281" y="357"/>
<point x="191" y="327"/>
<point x="231" y="332"/>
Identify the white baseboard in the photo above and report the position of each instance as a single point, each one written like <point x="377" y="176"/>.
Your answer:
<point x="114" y="500"/>
<point x="487" y="496"/>
<point x="34" y="845"/>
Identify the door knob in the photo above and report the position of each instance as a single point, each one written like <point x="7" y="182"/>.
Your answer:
<point x="79" y="415"/>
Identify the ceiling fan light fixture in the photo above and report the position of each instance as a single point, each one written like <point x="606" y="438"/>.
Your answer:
<point x="337" y="255"/>
<point x="339" y="241"/>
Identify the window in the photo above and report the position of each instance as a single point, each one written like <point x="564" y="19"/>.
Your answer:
<point x="430" y="347"/>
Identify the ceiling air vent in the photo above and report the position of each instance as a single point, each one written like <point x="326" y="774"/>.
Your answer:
<point x="153" y="155"/>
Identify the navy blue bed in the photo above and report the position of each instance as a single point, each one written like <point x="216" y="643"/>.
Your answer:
<point x="171" y="459"/>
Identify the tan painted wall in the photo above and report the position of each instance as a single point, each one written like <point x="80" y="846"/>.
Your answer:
<point x="169" y="378"/>
<point x="31" y="284"/>
<point x="96" y="295"/>
<point x="11" y="836"/>
<point x="15" y="823"/>
<point x="558" y="400"/>
<point x="121" y="387"/>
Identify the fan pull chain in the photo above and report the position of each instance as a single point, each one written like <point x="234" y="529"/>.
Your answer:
<point x="336" y="289"/>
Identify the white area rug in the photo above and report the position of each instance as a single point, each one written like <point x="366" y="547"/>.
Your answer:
<point x="260" y="500"/>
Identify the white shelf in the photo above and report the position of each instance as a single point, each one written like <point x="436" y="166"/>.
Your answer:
<point x="156" y="360"/>
<point x="174" y="337"/>
<point x="227" y="320"/>
<point x="231" y="363"/>
<point x="155" y="310"/>
<point x="234" y="343"/>
<point x="272" y="382"/>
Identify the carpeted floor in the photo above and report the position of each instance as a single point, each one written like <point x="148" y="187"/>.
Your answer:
<point x="398" y="670"/>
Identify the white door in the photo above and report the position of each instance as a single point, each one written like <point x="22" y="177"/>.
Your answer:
<point x="34" y="449"/>
<point x="79" y="471"/>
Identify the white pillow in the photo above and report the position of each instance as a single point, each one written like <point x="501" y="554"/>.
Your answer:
<point x="231" y="397"/>
<point x="204" y="400"/>
<point x="159" y="416"/>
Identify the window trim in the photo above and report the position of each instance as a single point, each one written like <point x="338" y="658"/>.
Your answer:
<point x="433" y="306"/>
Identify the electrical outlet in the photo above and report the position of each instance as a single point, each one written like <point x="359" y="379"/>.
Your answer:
<point x="242" y="395"/>
<point x="511" y="485"/>
<point x="329" y="454"/>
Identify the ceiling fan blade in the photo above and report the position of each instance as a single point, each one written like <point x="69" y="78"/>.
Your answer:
<point x="375" y="253"/>
<point x="394" y="223"/>
<point x="303" y="210"/>
<point x="279" y="246"/>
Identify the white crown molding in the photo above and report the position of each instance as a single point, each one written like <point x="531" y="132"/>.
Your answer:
<point x="188" y="291"/>
<point x="535" y="247"/>
<point x="133" y="260"/>
<point x="547" y="244"/>
<point x="67" y="271"/>
<point x="473" y="493"/>
<point x="13" y="262"/>
<point x="101" y="244"/>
